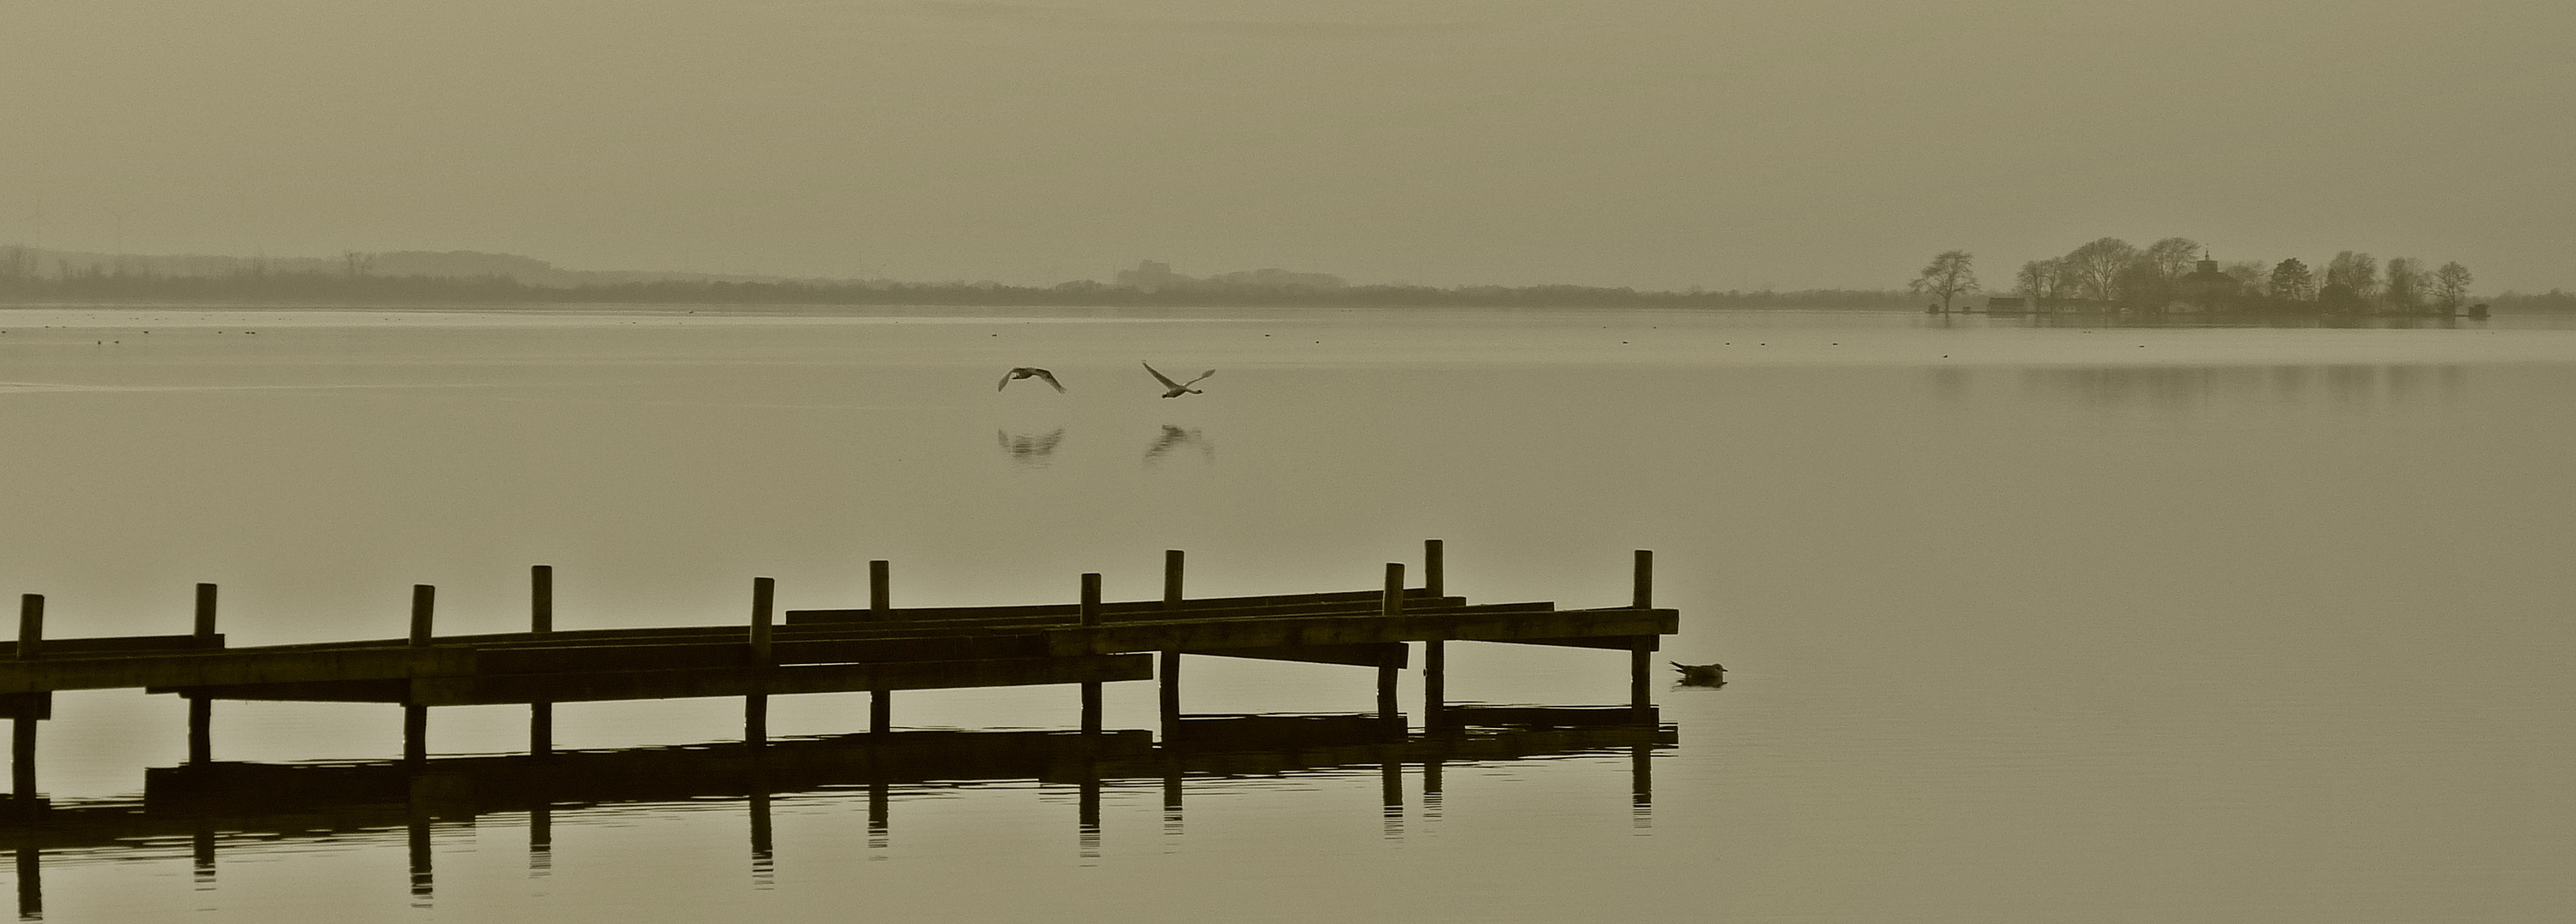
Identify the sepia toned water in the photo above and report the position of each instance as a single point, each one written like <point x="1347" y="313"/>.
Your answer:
<point x="2025" y="623"/>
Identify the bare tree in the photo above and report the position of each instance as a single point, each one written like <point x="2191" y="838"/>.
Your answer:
<point x="2039" y="280"/>
<point x="2172" y="257"/>
<point x="1950" y="275"/>
<point x="2451" y="286"/>
<point x="2356" y="272"/>
<point x="358" y="264"/>
<point x="2404" y="289"/>
<point x="2292" y="282"/>
<point x="2096" y="266"/>
<point x="2248" y="275"/>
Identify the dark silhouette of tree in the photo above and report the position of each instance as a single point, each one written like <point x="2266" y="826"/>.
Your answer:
<point x="1950" y="275"/>
<point x="2403" y="291"/>
<point x="2356" y="272"/>
<point x="2451" y="286"/>
<point x="2041" y="279"/>
<point x="2096" y="267"/>
<point x="2291" y="282"/>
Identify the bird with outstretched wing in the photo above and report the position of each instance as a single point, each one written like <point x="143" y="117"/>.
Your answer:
<point x="1029" y="372"/>
<point x="1174" y="389"/>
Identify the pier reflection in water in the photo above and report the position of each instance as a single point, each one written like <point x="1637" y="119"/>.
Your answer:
<point x="248" y="805"/>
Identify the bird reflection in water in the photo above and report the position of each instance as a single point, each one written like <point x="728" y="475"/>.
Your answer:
<point x="1030" y="450"/>
<point x="1177" y="438"/>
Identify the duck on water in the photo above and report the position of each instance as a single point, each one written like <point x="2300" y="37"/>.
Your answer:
<point x="1701" y="675"/>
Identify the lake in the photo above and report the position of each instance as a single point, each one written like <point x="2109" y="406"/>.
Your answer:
<point x="2023" y="623"/>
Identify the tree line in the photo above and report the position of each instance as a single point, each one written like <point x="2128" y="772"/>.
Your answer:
<point x="2173" y="273"/>
<point x="355" y="284"/>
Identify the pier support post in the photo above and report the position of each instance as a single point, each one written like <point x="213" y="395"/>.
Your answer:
<point x="201" y="729"/>
<point x="1172" y="578"/>
<point x="1645" y="596"/>
<point x="880" y="606"/>
<point x="755" y="707"/>
<point x="1434" y="567"/>
<point x="1167" y="674"/>
<point x="1641" y="672"/>
<point x="1435" y="682"/>
<point x="541" y="620"/>
<point x="22" y="761"/>
<point x="1091" y="688"/>
<point x="31" y="626"/>
<point x="415" y="734"/>
<point x="1390" y="604"/>
<point x="201" y="710"/>
<point x="424" y="602"/>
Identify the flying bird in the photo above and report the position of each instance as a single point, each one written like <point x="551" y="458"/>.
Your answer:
<point x="1177" y="389"/>
<point x="1029" y="372"/>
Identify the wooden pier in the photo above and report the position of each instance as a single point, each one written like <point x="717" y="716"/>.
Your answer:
<point x="879" y="648"/>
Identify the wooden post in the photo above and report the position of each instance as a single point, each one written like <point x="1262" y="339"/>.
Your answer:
<point x="1386" y="707"/>
<point x="415" y="733"/>
<point x="1172" y="577"/>
<point x="880" y="606"/>
<point x="764" y="596"/>
<point x="1434" y="568"/>
<point x="541" y="598"/>
<point x="1091" y="688"/>
<point x="31" y="626"/>
<point x="1168" y="675"/>
<point x="423" y="602"/>
<point x="205" y="627"/>
<point x="22" y="760"/>
<point x="755" y="706"/>
<point x="1392" y="602"/>
<point x="1645" y="579"/>
<point x="201" y="729"/>
<point x="201" y="709"/>
<point x="1641" y="671"/>
<point x="541" y="620"/>
<point x="1435" y="682"/>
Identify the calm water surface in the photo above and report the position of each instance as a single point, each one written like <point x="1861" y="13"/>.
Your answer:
<point x="2026" y="624"/>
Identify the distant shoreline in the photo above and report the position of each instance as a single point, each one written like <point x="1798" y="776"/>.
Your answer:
<point x="330" y="289"/>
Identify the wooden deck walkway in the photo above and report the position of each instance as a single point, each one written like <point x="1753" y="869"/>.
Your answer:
<point x="879" y="648"/>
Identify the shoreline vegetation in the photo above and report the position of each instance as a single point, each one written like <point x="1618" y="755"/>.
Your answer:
<point x="29" y="276"/>
<point x="2176" y="276"/>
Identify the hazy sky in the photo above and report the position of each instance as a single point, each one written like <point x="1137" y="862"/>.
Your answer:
<point x="1628" y="142"/>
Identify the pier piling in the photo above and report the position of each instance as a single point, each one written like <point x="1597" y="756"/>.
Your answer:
<point x="1090" y="619"/>
<point x="31" y="626"/>
<point x="1434" y="567"/>
<point x="424" y="603"/>
<point x="541" y="620"/>
<point x="755" y="706"/>
<point x="880" y="606"/>
<point x="201" y="709"/>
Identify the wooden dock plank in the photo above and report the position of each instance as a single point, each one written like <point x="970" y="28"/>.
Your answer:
<point x="1358" y="630"/>
<point x="230" y="667"/>
<point x="741" y="681"/>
